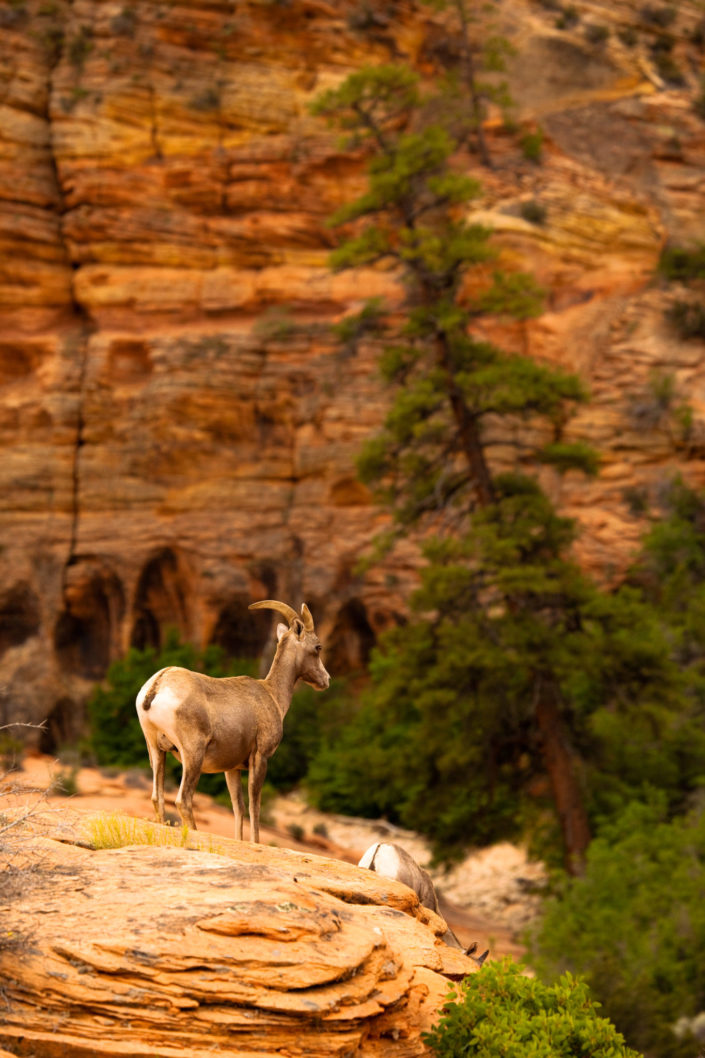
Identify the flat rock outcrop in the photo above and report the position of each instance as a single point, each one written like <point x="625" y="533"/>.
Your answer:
<point x="219" y="946"/>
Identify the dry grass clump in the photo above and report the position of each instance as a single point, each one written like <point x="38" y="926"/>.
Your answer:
<point x="112" y="830"/>
<point x="115" y="831"/>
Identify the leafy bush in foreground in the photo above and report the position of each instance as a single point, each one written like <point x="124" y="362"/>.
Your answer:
<point x="500" y="1013"/>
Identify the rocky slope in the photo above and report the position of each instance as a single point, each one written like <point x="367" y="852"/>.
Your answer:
<point x="177" y="425"/>
<point x="220" y="945"/>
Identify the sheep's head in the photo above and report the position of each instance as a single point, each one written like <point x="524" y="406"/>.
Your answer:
<point x="301" y="632"/>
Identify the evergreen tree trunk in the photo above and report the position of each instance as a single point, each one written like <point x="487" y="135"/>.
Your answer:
<point x="561" y="762"/>
<point x="563" y="772"/>
<point x="468" y="429"/>
<point x="471" y="82"/>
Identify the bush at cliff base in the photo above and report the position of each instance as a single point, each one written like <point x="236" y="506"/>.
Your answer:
<point x="501" y="1012"/>
<point x="633" y="927"/>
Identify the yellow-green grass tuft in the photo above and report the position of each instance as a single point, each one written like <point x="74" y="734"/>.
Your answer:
<point x="113" y="830"/>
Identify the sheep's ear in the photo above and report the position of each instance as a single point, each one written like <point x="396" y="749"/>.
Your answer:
<point x="298" y="627"/>
<point x="281" y="631"/>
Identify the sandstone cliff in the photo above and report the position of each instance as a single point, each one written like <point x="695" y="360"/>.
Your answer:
<point x="220" y="946"/>
<point x="178" y="427"/>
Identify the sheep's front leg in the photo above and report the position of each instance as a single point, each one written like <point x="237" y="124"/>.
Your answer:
<point x="192" y="761"/>
<point x="234" y="780"/>
<point x="255" y="782"/>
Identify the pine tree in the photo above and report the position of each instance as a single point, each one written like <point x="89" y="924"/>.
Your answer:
<point x="456" y="397"/>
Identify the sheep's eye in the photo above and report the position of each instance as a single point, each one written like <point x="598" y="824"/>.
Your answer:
<point x="318" y="648"/>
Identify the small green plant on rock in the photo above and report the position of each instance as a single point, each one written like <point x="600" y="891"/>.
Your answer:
<point x="687" y="318"/>
<point x="501" y="1013"/>
<point x="531" y="144"/>
<point x="568" y="18"/>
<point x="596" y="33"/>
<point x="682" y="263"/>
<point x="533" y="211"/>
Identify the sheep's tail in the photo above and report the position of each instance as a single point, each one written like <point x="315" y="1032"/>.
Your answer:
<point x="151" y="693"/>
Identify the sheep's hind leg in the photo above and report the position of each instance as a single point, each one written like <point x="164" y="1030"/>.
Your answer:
<point x="234" y="780"/>
<point x="191" y="764"/>
<point x="157" y="758"/>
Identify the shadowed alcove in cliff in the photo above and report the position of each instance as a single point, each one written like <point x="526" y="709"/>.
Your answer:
<point x="62" y="726"/>
<point x="237" y="631"/>
<point x="19" y="615"/>
<point x="350" y="640"/>
<point x="86" y="630"/>
<point x="161" y="600"/>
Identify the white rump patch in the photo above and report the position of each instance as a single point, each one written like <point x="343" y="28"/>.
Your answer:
<point x="367" y="856"/>
<point x="386" y="860"/>
<point x="165" y="700"/>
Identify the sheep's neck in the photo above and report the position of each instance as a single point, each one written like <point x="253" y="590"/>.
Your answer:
<point x="281" y="680"/>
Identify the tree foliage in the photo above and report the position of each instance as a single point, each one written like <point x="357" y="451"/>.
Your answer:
<point x="522" y="693"/>
<point x="634" y="927"/>
<point x="455" y="397"/>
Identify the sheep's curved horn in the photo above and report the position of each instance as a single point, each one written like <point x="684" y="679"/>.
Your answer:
<point x="272" y="604"/>
<point x="306" y="618"/>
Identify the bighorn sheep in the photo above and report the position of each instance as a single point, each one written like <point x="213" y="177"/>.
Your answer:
<point x="227" y="724"/>
<point x="392" y="861"/>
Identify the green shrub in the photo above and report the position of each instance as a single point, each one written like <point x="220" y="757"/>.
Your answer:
<point x="124" y="23"/>
<point x="501" y="1013"/>
<point x="568" y="18"/>
<point x="634" y="927"/>
<point x="116" y="737"/>
<point x="697" y="34"/>
<point x="533" y="211"/>
<point x="596" y="33"/>
<point x="658" y="17"/>
<point x="531" y="144"/>
<point x="636" y="499"/>
<point x="115" y="734"/>
<point x="682" y="263"/>
<point x="311" y="717"/>
<point x="628" y="36"/>
<point x="80" y="46"/>
<point x="667" y="67"/>
<point x="687" y="318"/>
<point x="65" y="783"/>
<point x="296" y="831"/>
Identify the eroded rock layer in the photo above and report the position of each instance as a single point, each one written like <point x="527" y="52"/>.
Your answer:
<point x="242" y="949"/>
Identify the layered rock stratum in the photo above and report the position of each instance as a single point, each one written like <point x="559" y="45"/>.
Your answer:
<point x="190" y="945"/>
<point x="178" y="425"/>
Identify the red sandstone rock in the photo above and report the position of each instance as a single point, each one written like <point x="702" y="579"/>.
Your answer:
<point x="179" y="951"/>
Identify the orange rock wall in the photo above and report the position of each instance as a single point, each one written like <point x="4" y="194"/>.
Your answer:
<point x="178" y="427"/>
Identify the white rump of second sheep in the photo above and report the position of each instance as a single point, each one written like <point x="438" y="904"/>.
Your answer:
<point x="392" y="861"/>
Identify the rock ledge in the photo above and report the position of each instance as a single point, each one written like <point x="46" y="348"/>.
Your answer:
<point x="219" y="946"/>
